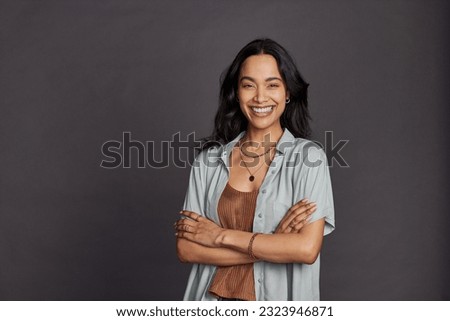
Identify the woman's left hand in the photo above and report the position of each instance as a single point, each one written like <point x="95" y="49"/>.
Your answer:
<point x="198" y="229"/>
<point x="297" y="217"/>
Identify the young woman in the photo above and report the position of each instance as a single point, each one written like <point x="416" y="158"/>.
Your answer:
<point x="259" y="199"/>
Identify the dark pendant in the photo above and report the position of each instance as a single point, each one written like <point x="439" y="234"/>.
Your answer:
<point x="251" y="178"/>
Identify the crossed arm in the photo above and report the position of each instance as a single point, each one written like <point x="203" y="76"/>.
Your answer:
<point x="200" y="240"/>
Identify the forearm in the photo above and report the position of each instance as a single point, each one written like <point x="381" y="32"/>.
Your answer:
<point x="201" y="241"/>
<point x="190" y="252"/>
<point x="278" y="248"/>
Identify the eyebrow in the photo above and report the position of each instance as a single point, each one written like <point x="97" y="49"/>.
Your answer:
<point x="267" y="79"/>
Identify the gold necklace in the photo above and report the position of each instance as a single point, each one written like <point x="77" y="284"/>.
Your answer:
<point x="253" y="156"/>
<point x="251" y="178"/>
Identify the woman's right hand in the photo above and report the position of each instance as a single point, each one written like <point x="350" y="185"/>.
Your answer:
<point x="297" y="217"/>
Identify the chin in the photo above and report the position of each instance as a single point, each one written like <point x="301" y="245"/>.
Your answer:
<point x="263" y="125"/>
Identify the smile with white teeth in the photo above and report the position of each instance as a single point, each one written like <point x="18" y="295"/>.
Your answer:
<point x="262" y="109"/>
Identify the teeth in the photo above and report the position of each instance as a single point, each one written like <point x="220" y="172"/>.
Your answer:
<point x="262" y="110"/>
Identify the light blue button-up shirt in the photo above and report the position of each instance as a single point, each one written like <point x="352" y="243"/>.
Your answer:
<point x="298" y="170"/>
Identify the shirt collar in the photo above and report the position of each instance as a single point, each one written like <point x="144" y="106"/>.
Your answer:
<point x="286" y="141"/>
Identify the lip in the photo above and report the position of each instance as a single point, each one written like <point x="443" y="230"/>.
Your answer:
<point x="262" y="114"/>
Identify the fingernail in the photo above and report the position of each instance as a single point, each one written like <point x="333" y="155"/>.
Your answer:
<point x="181" y="212"/>
<point x="305" y="200"/>
<point x="176" y="234"/>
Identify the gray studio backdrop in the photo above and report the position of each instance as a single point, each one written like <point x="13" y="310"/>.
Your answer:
<point x="77" y="74"/>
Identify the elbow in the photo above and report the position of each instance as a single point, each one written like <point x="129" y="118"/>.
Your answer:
<point x="182" y="258"/>
<point x="311" y="257"/>
<point x="309" y="254"/>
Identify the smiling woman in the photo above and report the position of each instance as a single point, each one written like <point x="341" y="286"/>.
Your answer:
<point x="262" y="93"/>
<point x="253" y="223"/>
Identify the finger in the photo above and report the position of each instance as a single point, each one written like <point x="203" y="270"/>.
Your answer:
<point x="280" y="230"/>
<point x="287" y="230"/>
<point x="286" y="220"/>
<point x="286" y="223"/>
<point x="298" y="226"/>
<point x="183" y="221"/>
<point x="291" y="213"/>
<point x="302" y="211"/>
<point x="298" y="215"/>
<point x="304" y="215"/>
<point x="306" y="218"/>
<point x="286" y="227"/>
<point x="295" y="214"/>
<point x="185" y="228"/>
<point x="186" y="225"/>
<point x="183" y="235"/>
<point x="191" y="215"/>
<point x="294" y="207"/>
<point x="186" y="221"/>
<point x="298" y="223"/>
<point x="298" y="208"/>
<point x="303" y="223"/>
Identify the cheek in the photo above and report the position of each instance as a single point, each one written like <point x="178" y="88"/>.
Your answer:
<point x="244" y="95"/>
<point x="280" y="96"/>
<point x="242" y="107"/>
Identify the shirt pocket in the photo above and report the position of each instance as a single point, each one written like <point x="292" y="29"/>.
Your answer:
<point x="279" y="211"/>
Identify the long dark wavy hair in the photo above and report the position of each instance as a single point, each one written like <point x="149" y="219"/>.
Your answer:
<point x="230" y="120"/>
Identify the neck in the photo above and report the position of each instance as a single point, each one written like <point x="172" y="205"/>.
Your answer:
<point x="263" y="135"/>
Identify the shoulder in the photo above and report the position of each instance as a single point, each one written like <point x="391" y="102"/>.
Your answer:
<point x="305" y="150"/>
<point x="210" y="153"/>
<point x="216" y="154"/>
<point x="208" y="160"/>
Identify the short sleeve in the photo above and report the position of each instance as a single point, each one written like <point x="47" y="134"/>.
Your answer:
<point x="194" y="200"/>
<point x="316" y="185"/>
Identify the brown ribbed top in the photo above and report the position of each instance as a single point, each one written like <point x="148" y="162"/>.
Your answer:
<point x="236" y="210"/>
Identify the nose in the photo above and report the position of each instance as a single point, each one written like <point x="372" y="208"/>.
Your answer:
<point x="260" y="96"/>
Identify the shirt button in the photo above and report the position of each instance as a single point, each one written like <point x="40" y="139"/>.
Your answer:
<point x="259" y="280"/>
<point x="263" y="191"/>
<point x="273" y="172"/>
<point x="259" y="215"/>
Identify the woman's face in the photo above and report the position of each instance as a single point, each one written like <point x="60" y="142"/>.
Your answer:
<point x="261" y="91"/>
